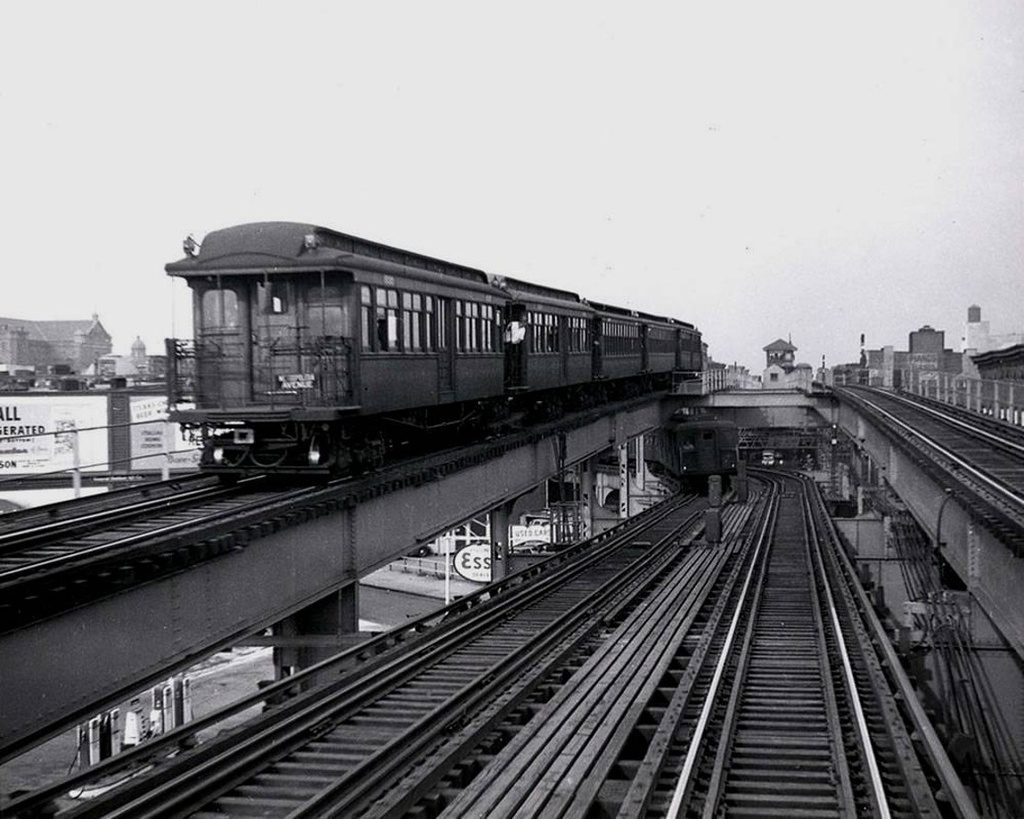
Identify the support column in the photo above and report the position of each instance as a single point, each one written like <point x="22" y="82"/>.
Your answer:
<point x="316" y="632"/>
<point x="641" y="465"/>
<point x="624" y="480"/>
<point x="499" y="519"/>
<point x="587" y="497"/>
<point x="742" y="485"/>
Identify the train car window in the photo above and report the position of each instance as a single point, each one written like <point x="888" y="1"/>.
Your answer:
<point x="460" y="327"/>
<point x="366" y="298"/>
<point x="441" y="324"/>
<point x="412" y="321"/>
<point x="486" y="319"/>
<point x="429" y="324"/>
<point x="328" y="312"/>
<point x="387" y="320"/>
<point x="272" y="297"/>
<point x="220" y="309"/>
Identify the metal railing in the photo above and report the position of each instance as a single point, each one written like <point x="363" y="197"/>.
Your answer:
<point x="224" y="370"/>
<point x="67" y="447"/>
<point x="1000" y="400"/>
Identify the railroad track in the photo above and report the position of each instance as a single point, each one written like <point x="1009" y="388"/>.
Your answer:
<point x="981" y="464"/>
<point x="769" y="702"/>
<point x="19" y="519"/>
<point x="337" y="748"/>
<point x="54" y="565"/>
<point x="651" y="674"/>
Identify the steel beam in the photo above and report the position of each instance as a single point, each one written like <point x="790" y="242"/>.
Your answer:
<point x="68" y="667"/>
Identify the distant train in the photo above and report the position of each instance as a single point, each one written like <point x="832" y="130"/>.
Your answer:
<point x="691" y="449"/>
<point x="317" y="352"/>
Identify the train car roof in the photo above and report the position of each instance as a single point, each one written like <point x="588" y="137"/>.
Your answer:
<point x="513" y="285"/>
<point x="524" y="291"/>
<point x="637" y="314"/>
<point x="292" y="246"/>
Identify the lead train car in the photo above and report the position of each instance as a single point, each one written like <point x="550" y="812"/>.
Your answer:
<point x="316" y="351"/>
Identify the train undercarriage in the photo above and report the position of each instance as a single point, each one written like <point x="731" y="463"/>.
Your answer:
<point x="326" y="444"/>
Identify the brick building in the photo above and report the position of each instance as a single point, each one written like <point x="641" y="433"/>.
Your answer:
<point x="927" y="353"/>
<point x="43" y="344"/>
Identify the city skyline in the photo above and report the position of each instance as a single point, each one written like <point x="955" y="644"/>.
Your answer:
<point x="757" y="171"/>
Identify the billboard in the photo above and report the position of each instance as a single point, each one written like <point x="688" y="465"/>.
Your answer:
<point x="36" y="437"/>
<point x="152" y="435"/>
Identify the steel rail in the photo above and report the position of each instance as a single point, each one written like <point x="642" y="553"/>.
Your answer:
<point x="1008" y="493"/>
<point x="345" y="663"/>
<point x="952" y="786"/>
<point x="877" y="787"/>
<point x="558" y="768"/>
<point x="248" y="746"/>
<point x="15" y="574"/>
<point x="733" y="707"/>
<point x="417" y="737"/>
<point x="756" y="565"/>
<point x="22" y="518"/>
<point x="25" y="538"/>
<point x="951" y="419"/>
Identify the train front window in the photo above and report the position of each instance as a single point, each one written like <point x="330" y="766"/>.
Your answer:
<point x="328" y="312"/>
<point x="220" y="309"/>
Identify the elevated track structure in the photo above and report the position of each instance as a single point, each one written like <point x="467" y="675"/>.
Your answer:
<point x="646" y="672"/>
<point x="125" y="595"/>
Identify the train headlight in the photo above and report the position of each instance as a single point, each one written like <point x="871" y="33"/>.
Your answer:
<point x="218" y="454"/>
<point x="314" y="453"/>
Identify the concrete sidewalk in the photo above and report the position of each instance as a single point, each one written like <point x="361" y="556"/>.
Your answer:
<point x="423" y="577"/>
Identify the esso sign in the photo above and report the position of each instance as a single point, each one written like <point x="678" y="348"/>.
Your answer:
<point x="473" y="562"/>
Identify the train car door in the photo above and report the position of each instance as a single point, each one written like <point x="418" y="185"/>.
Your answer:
<point x="328" y="304"/>
<point x="645" y="363"/>
<point x="596" y="355"/>
<point x="278" y="360"/>
<point x="516" y="348"/>
<point x="445" y="350"/>
<point x="678" y="336"/>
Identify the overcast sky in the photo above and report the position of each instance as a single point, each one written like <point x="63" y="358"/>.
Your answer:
<point x="760" y="169"/>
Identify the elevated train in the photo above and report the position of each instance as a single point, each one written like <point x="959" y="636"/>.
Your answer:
<point x="317" y="352"/>
<point x="692" y="448"/>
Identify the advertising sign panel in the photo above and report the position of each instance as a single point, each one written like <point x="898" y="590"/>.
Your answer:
<point x="474" y="562"/>
<point x="152" y="435"/>
<point x="535" y="532"/>
<point x="35" y="433"/>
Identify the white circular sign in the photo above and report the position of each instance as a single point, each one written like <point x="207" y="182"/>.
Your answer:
<point x="473" y="562"/>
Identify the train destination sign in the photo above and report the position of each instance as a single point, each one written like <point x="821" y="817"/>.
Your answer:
<point x="296" y="381"/>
